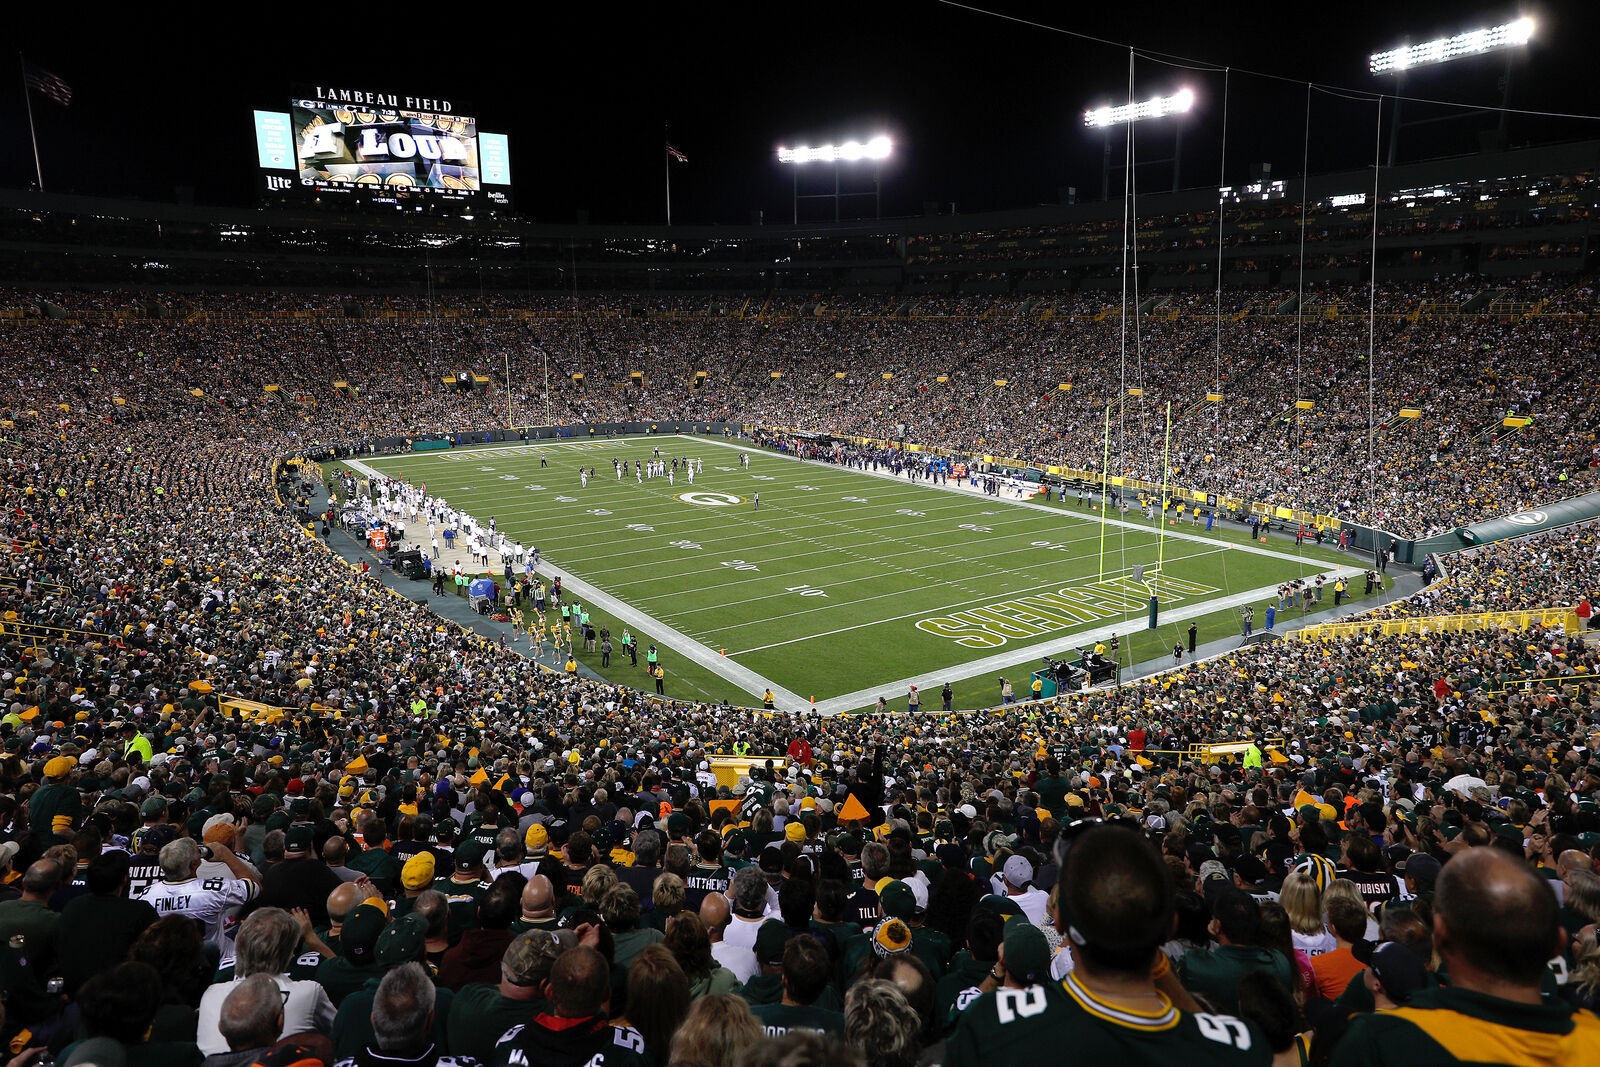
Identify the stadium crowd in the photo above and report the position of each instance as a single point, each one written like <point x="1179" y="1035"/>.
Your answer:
<point x="397" y="843"/>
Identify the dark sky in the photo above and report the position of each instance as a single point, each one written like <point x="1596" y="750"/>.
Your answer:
<point x="984" y="113"/>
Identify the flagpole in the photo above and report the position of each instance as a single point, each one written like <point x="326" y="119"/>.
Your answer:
<point x="1161" y="545"/>
<point x="666" y="161"/>
<point x="1105" y="474"/>
<point x="22" y="68"/>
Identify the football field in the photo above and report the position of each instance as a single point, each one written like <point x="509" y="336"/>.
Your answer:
<point x="844" y="584"/>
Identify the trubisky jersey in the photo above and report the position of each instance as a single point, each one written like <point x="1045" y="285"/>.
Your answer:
<point x="1058" y="1022"/>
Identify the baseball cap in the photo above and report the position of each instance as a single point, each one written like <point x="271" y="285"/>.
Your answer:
<point x="770" y="941"/>
<point x="1000" y="905"/>
<point x="537" y="839"/>
<point x="896" y="900"/>
<point x="1398" y="971"/>
<point x="358" y="938"/>
<point x="153" y="806"/>
<point x="297" y="842"/>
<point x="469" y="856"/>
<point x="1018" y="871"/>
<point x="418" y="872"/>
<point x="952" y="856"/>
<point x="1027" y="952"/>
<point x="794" y="831"/>
<point x="771" y="861"/>
<point x="1422" y="868"/>
<point x="156" y="838"/>
<point x="402" y="941"/>
<point x="523" y="959"/>
<point x="678" y="823"/>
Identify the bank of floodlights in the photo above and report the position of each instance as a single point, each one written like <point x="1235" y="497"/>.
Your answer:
<point x="1177" y="103"/>
<point x="1444" y="49"/>
<point x="875" y="149"/>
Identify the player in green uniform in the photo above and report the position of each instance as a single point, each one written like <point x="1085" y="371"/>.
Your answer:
<point x="1116" y="902"/>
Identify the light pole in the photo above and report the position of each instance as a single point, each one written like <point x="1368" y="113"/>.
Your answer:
<point x="876" y="151"/>
<point x="1104" y="118"/>
<point x="1397" y="61"/>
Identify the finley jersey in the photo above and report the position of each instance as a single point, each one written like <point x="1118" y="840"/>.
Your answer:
<point x="548" y="1041"/>
<point x="1058" y="1022"/>
<point x="210" y="901"/>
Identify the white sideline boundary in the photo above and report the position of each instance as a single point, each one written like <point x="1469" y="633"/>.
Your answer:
<point x="928" y="683"/>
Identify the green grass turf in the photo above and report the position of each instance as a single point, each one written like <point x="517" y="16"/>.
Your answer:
<point x="821" y="589"/>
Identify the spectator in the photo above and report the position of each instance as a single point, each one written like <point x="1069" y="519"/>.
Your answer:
<point x="96" y="931"/>
<point x="1213" y="975"/>
<point x="690" y="944"/>
<point x="717" y="1032"/>
<point x="578" y="1027"/>
<point x="121" y="1004"/>
<point x="658" y="998"/>
<point x="806" y="973"/>
<point x="477" y="957"/>
<point x="480" y="1012"/>
<point x="1494" y="927"/>
<point x="267" y="943"/>
<point x="880" y="1026"/>
<point x="403" y="1022"/>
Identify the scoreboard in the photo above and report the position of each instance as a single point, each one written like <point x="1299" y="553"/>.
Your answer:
<point x="343" y="145"/>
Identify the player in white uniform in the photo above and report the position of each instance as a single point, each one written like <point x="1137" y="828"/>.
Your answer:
<point x="215" y="902"/>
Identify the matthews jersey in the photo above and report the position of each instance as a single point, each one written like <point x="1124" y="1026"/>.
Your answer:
<point x="704" y="879"/>
<point x="1055" y="1022"/>
<point x="549" y="1041"/>
<point x="211" y="901"/>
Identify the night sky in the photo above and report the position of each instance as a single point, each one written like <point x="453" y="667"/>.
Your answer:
<point x="984" y="113"/>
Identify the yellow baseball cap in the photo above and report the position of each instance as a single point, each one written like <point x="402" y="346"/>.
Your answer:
<point x="60" y="766"/>
<point x="418" y="871"/>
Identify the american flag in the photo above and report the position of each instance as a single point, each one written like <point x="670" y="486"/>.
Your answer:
<point x="50" y="85"/>
<point x="675" y="154"/>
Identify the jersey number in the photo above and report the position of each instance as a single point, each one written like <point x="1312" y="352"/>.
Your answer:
<point x="1224" y="1029"/>
<point x="1013" y="1004"/>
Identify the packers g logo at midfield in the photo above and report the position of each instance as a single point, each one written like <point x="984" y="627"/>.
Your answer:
<point x="710" y="500"/>
<point x="1527" y="518"/>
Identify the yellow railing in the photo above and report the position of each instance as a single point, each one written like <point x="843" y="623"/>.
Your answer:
<point x="1522" y="685"/>
<point x="1221" y="751"/>
<point x="1563" y="618"/>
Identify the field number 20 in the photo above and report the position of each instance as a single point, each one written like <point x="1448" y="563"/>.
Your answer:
<point x="740" y="565"/>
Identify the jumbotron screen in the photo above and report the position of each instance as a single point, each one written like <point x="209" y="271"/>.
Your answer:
<point x="382" y="147"/>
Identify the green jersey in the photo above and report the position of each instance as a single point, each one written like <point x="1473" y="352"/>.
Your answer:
<point x="1450" y="1025"/>
<point x="779" y="1019"/>
<point x="53" y="813"/>
<point x="1040" y="1023"/>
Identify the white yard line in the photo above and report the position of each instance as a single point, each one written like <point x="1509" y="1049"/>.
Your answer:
<point x="990" y="598"/>
<point x="930" y="682"/>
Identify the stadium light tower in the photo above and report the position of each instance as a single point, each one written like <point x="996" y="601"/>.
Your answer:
<point x="876" y="151"/>
<point x="1399" y="60"/>
<point x="1104" y="118"/>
